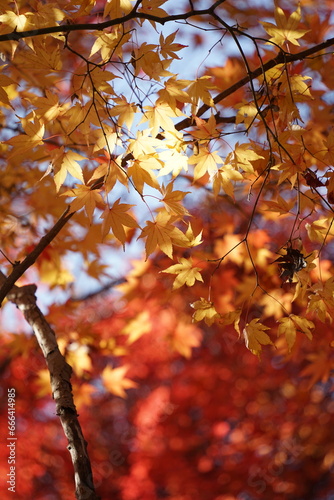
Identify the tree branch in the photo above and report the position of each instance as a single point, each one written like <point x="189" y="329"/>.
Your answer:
<point x="281" y="58"/>
<point x="60" y="374"/>
<point x="68" y="28"/>
<point x="21" y="267"/>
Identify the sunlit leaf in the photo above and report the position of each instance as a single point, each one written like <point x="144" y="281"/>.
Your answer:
<point x="255" y="336"/>
<point x="186" y="273"/>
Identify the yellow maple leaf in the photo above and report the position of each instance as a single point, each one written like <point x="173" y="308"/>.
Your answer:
<point x="173" y="92"/>
<point x="137" y="327"/>
<point x="160" y="115"/>
<point x="161" y="233"/>
<point x="109" y="44"/>
<point x="153" y="7"/>
<point x="18" y="22"/>
<point x="255" y="336"/>
<point x="187" y="274"/>
<point x="303" y="282"/>
<point x="83" y="394"/>
<point x="84" y="197"/>
<point x="110" y="172"/>
<point x="115" y="381"/>
<point x="247" y="112"/>
<point x="34" y="132"/>
<point x="232" y="317"/>
<point x="168" y="47"/>
<point x="5" y="81"/>
<point x="280" y="205"/>
<point x="224" y="178"/>
<point x="204" y="310"/>
<point x="296" y="85"/>
<point x="193" y="240"/>
<point x="48" y="107"/>
<point x="289" y="170"/>
<point x="304" y="325"/>
<point x="66" y="162"/>
<point x="317" y="230"/>
<point x="317" y="304"/>
<point x="285" y="29"/>
<point x="117" y="8"/>
<point x="124" y="110"/>
<point x="199" y="90"/>
<point x="205" y="162"/>
<point x="100" y="79"/>
<point x="174" y="161"/>
<point x="172" y="200"/>
<point x="141" y="171"/>
<point x="105" y="139"/>
<point x="206" y="129"/>
<point x="44" y="55"/>
<point x="146" y="59"/>
<point x="287" y="327"/>
<point x="321" y="301"/>
<point x="96" y="269"/>
<point x="244" y="156"/>
<point x="115" y="219"/>
<point x="143" y="144"/>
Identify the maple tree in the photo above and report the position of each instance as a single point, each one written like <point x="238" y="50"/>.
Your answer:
<point x="200" y="136"/>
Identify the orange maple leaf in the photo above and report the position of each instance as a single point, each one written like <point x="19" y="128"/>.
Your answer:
<point x="116" y="218"/>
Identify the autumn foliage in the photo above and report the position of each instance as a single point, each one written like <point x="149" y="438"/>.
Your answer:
<point x="166" y="208"/>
